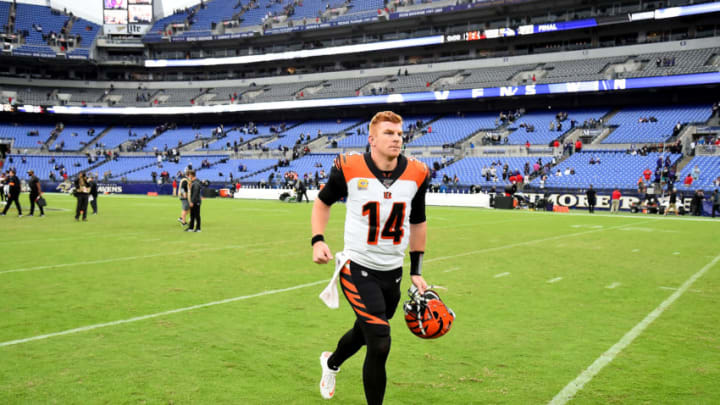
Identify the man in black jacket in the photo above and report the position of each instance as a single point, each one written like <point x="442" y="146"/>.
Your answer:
<point x="93" y="193"/>
<point x="194" y="199"/>
<point x="35" y="193"/>
<point x="14" y="194"/>
<point x="591" y="199"/>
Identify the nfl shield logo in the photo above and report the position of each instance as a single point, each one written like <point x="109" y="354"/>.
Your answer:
<point x="362" y="184"/>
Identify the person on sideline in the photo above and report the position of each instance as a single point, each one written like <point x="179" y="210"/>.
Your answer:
<point x="385" y="194"/>
<point x="35" y="193"/>
<point x="92" y="182"/>
<point x="195" y="200"/>
<point x="13" y="192"/>
<point x="82" y="193"/>
<point x="591" y="199"/>
<point x="183" y="190"/>
<point x="615" y="203"/>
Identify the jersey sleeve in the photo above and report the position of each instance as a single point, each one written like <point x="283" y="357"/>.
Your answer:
<point x="336" y="187"/>
<point x="417" y="215"/>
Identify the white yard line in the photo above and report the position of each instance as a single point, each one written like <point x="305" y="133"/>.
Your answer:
<point x="513" y="245"/>
<point x="451" y="269"/>
<point x="578" y="383"/>
<point x="554" y="280"/>
<point x="675" y="289"/>
<point x="613" y="285"/>
<point x="144" y="317"/>
<point x="129" y="258"/>
<point x="102" y="325"/>
<point x="501" y="275"/>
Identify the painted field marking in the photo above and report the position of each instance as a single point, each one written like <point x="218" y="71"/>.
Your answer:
<point x="451" y="269"/>
<point x="501" y="275"/>
<point x="155" y="315"/>
<point x="676" y="253"/>
<point x="635" y="250"/>
<point x="613" y="285"/>
<point x="514" y="245"/>
<point x="128" y="258"/>
<point x="578" y="383"/>
<point x="113" y="323"/>
<point x="554" y="280"/>
<point x="675" y="289"/>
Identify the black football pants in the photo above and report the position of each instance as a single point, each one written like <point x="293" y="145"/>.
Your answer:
<point x="13" y="198"/>
<point x="374" y="296"/>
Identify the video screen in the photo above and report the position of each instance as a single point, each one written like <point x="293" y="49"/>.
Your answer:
<point x="140" y="2"/>
<point x="116" y="17"/>
<point x="115" y="4"/>
<point x="140" y="14"/>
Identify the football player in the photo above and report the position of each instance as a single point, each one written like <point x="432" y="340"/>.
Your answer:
<point x="385" y="194"/>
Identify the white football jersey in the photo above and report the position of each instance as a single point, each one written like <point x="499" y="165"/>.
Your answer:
<point x="377" y="223"/>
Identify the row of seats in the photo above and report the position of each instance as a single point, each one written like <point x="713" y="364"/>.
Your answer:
<point x="434" y="131"/>
<point x="350" y="87"/>
<point x="615" y="170"/>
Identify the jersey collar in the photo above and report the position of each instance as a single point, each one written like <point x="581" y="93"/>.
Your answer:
<point x="386" y="181"/>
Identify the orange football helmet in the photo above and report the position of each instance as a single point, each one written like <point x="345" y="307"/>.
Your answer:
<point x="426" y="315"/>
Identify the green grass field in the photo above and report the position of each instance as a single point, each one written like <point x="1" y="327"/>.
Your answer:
<point x="531" y="292"/>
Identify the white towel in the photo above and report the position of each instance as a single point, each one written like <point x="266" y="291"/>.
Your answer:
<point x="330" y="294"/>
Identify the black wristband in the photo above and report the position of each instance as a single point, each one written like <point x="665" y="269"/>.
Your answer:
<point x="416" y="263"/>
<point x="317" y="238"/>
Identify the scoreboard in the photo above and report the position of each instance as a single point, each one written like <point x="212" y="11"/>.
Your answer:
<point x="127" y="17"/>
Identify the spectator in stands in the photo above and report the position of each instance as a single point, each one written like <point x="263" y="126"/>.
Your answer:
<point x="695" y="173"/>
<point x="615" y="203"/>
<point x="578" y="146"/>
<point x="640" y="185"/>
<point x="715" y="202"/>
<point x="591" y="199"/>
<point x="688" y="180"/>
<point x="647" y="173"/>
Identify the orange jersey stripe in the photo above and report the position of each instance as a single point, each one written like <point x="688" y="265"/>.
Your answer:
<point x="416" y="171"/>
<point x="353" y="166"/>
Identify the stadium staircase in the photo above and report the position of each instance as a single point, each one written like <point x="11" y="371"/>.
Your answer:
<point x="310" y="90"/>
<point x="253" y="93"/>
<point x="525" y="76"/>
<point x="612" y="70"/>
<point x="606" y="130"/>
<point x="12" y="16"/>
<point x="367" y="88"/>
<point x="204" y="97"/>
<point x="447" y="81"/>
<point x="52" y="139"/>
<point x="92" y="142"/>
<point x="95" y="165"/>
<point x="681" y="164"/>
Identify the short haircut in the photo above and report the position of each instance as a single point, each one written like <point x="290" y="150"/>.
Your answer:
<point x="385" y="116"/>
<point x="190" y="172"/>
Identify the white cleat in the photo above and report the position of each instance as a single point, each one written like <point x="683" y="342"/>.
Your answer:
<point x="327" y="383"/>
